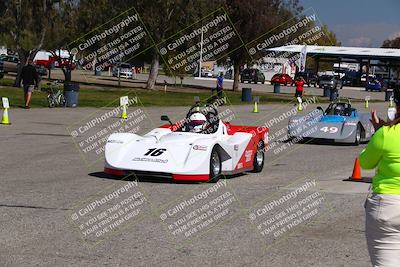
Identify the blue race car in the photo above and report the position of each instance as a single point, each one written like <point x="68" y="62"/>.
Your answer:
<point x="340" y="122"/>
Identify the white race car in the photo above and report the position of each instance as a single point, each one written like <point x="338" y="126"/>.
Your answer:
<point x="199" y="148"/>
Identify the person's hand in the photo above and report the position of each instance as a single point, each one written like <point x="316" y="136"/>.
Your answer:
<point x="376" y="121"/>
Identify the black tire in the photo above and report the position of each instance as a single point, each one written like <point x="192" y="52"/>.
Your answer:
<point x="61" y="100"/>
<point x="215" y="165"/>
<point x="357" y="138"/>
<point x="51" y="102"/>
<point x="258" y="163"/>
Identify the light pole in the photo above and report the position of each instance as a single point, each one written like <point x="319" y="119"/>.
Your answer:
<point x="201" y="52"/>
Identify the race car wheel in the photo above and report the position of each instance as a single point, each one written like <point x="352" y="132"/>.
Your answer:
<point x="258" y="163"/>
<point x="215" y="165"/>
<point x="357" y="138"/>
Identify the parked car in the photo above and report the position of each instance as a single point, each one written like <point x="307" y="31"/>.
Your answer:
<point x="349" y="80"/>
<point x="282" y="79"/>
<point x="374" y="85"/>
<point x="10" y="63"/>
<point x="41" y="70"/>
<point x="330" y="81"/>
<point x="206" y="73"/>
<point x="363" y="78"/>
<point x="125" y="70"/>
<point x="309" y="77"/>
<point x="252" y="76"/>
<point x="392" y="83"/>
<point x="228" y="74"/>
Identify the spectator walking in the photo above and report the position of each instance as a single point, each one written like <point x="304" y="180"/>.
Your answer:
<point x="30" y="79"/>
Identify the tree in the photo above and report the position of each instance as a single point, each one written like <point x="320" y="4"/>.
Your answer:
<point x="172" y="15"/>
<point x="23" y="26"/>
<point x="253" y="19"/>
<point x="61" y="31"/>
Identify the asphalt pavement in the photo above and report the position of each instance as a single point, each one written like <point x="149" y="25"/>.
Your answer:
<point x="296" y="212"/>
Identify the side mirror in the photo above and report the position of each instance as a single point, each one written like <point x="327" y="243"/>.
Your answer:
<point x="166" y="118"/>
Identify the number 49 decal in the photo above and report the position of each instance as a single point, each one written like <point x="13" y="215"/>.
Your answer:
<point x="154" y="152"/>
<point x="327" y="129"/>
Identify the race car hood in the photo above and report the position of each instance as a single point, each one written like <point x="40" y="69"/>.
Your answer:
<point x="159" y="151"/>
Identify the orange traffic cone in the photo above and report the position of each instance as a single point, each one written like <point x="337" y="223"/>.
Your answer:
<point x="356" y="175"/>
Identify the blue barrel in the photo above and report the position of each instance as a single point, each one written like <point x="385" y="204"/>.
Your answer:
<point x="388" y="94"/>
<point x="277" y="88"/>
<point x="326" y="92"/>
<point x="246" y="94"/>
<point x="71" y="93"/>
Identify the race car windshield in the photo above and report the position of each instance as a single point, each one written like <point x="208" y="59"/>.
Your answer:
<point x="340" y="109"/>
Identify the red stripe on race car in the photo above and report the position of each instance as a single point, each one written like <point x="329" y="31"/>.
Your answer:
<point x="114" y="172"/>
<point x="247" y="158"/>
<point x="195" y="177"/>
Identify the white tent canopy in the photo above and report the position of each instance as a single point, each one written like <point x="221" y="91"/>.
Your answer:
<point x="341" y="51"/>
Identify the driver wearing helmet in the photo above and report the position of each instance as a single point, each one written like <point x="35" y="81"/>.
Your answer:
<point x="197" y="122"/>
<point x="339" y="110"/>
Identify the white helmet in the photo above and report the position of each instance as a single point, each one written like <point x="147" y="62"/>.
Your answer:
<point x="197" y="122"/>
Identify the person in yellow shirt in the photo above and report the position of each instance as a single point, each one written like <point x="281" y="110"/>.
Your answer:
<point x="382" y="207"/>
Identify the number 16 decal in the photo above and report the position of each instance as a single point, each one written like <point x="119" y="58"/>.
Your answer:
<point x="154" y="152"/>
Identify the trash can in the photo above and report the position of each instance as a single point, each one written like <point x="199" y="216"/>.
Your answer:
<point x="246" y="94"/>
<point x="388" y="94"/>
<point x="277" y="88"/>
<point x="333" y="94"/>
<point x="326" y="92"/>
<point x="71" y="92"/>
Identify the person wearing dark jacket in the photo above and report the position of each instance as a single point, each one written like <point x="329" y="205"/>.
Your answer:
<point x="30" y="79"/>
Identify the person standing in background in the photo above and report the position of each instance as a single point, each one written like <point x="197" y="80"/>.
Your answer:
<point x="30" y="79"/>
<point x="382" y="206"/>
<point x="220" y="85"/>
<point x="299" y="82"/>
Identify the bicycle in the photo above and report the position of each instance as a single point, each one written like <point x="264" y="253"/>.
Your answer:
<point x="55" y="99"/>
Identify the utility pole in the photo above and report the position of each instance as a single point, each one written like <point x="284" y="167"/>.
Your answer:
<point x="201" y="52"/>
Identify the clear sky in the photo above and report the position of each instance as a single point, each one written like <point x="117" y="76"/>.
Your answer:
<point x="363" y="23"/>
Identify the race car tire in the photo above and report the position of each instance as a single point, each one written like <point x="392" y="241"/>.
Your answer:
<point x="357" y="138"/>
<point x="258" y="162"/>
<point x="215" y="165"/>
